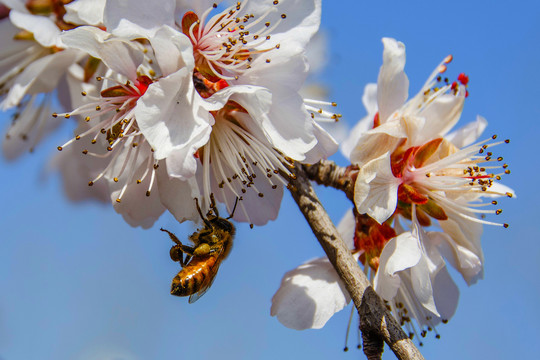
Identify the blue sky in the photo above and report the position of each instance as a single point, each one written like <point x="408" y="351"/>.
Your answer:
<point x="79" y="283"/>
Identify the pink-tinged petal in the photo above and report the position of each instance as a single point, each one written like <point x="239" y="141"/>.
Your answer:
<point x="88" y="12"/>
<point x="393" y="84"/>
<point x="309" y="296"/>
<point x="370" y="103"/>
<point x="468" y="134"/>
<point x="40" y="76"/>
<point x="375" y="190"/>
<point x="119" y="55"/>
<point x="135" y="18"/>
<point x="173" y="50"/>
<point x="172" y="118"/>
<point x="446" y="295"/>
<point x="44" y="29"/>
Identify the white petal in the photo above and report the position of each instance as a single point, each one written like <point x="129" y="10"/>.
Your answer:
<point x="30" y="126"/>
<point x="347" y="228"/>
<point x="400" y="253"/>
<point x="392" y="84"/>
<point x="89" y="12"/>
<point x="44" y="29"/>
<point x="119" y="55"/>
<point x="464" y="232"/>
<point x="172" y="118"/>
<point x="441" y="115"/>
<point x="178" y="195"/>
<point x="468" y="134"/>
<point x="303" y="19"/>
<point x="326" y="145"/>
<point x="375" y="190"/>
<point x="309" y="296"/>
<point x="446" y="294"/>
<point x="463" y="260"/>
<point x="421" y="281"/>
<point x="370" y="103"/>
<point x="40" y="76"/>
<point x="252" y="208"/>
<point x="138" y="18"/>
<point x="378" y="141"/>
<point x="136" y="207"/>
<point x="197" y="6"/>
<point x="173" y="50"/>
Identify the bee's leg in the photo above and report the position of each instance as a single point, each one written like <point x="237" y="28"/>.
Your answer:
<point x="172" y="236"/>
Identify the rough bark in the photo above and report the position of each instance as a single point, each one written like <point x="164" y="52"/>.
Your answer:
<point x="376" y="322"/>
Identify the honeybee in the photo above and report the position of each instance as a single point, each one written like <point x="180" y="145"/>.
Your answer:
<point x="211" y="245"/>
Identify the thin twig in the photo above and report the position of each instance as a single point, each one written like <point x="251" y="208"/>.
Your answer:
<point x="376" y="322"/>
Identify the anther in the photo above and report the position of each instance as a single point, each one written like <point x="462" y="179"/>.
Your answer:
<point x="90" y="183"/>
<point x="148" y="193"/>
<point x="115" y="179"/>
<point x="59" y="148"/>
<point x="118" y="200"/>
<point x="67" y="116"/>
<point x="85" y="151"/>
<point x="83" y="93"/>
<point x="448" y="59"/>
<point x="54" y="115"/>
<point x="498" y="212"/>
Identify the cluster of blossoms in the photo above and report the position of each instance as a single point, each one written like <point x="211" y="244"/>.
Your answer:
<point x="171" y="105"/>
<point x="198" y="100"/>
<point x="412" y="176"/>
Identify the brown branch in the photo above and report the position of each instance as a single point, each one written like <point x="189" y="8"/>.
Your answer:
<point x="327" y="173"/>
<point x="376" y="322"/>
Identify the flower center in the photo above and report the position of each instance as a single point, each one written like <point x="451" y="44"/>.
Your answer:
<point x="435" y="175"/>
<point x="117" y="130"/>
<point x="225" y="46"/>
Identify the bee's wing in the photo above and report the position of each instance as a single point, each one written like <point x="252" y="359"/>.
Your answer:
<point x="204" y="289"/>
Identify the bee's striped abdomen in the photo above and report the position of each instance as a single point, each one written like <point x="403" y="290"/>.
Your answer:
<point x="194" y="277"/>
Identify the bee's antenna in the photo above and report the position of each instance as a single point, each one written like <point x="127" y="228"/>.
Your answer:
<point x="213" y="204"/>
<point x="208" y="223"/>
<point x="234" y="208"/>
